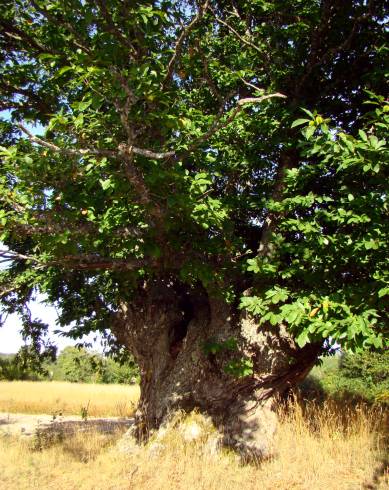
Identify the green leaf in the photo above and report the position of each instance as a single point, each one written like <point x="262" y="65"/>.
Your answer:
<point x="299" y="122"/>
<point x="383" y="292"/>
<point x="106" y="184"/>
<point x="82" y="106"/>
<point x="253" y="265"/>
<point x="63" y="70"/>
<point x="312" y="116"/>
<point x="363" y="135"/>
<point x="302" y="338"/>
<point x="309" y="131"/>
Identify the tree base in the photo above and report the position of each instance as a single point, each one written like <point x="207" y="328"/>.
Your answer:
<point x="250" y="434"/>
<point x="190" y="348"/>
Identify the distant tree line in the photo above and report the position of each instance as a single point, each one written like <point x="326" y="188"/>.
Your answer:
<point x="77" y="365"/>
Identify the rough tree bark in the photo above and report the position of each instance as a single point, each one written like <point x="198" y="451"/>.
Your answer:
<point x="168" y="326"/>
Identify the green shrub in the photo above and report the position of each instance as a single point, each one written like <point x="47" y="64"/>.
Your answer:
<point x="362" y="376"/>
<point x="13" y="368"/>
<point x="81" y="366"/>
<point x="371" y="367"/>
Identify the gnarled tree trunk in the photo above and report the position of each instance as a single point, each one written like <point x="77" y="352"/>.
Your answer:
<point x="184" y="341"/>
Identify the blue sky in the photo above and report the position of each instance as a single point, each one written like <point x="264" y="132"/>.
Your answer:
<point x="11" y="339"/>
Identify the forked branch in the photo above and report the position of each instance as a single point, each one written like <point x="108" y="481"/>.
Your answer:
<point x="128" y="150"/>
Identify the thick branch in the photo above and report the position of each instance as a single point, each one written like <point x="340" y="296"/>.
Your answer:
<point x="49" y="227"/>
<point x="93" y="151"/>
<point x="249" y="84"/>
<point x="287" y="162"/>
<point x="128" y="150"/>
<point x="124" y="152"/>
<point x="124" y="110"/>
<point x="14" y="32"/>
<point x="216" y="126"/>
<point x="180" y="41"/>
<point x="80" y="262"/>
<point x="30" y="94"/>
<point x="66" y="151"/>
<point x="6" y="292"/>
<point x="152" y="154"/>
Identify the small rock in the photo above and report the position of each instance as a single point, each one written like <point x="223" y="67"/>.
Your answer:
<point x="127" y="444"/>
<point x="192" y="432"/>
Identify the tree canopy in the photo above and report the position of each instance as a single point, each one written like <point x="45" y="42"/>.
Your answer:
<point x="233" y="144"/>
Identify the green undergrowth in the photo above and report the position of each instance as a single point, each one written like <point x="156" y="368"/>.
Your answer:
<point x="350" y="377"/>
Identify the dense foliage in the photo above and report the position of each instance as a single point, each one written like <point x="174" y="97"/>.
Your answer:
<point x="162" y="139"/>
<point x="328" y="270"/>
<point x="10" y="370"/>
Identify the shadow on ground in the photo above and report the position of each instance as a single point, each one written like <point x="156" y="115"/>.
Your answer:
<point x="58" y="431"/>
<point x="6" y="421"/>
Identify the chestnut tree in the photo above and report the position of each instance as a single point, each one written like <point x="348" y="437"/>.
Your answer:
<point x="207" y="180"/>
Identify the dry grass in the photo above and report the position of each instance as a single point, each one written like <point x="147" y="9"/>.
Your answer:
<point x="67" y="398"/>
<point x="323" y="448"/>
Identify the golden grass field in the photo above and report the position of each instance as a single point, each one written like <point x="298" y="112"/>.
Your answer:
<point x="330" y="447"/>
<point x="55" y="397"/>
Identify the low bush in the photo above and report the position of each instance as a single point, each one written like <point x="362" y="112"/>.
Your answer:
<point x="359" y="377"/>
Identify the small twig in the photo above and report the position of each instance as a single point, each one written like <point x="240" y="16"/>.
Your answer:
<point x="205" y="194"/>
<point x="79" y="42"/>
<point x="113" y="28"/>
<point x="237" y="257"/>
<point x="251" y="85"/>
<point x="207" y="76"/>
<point x="236" y="33"/>
<point x="312" y="65"/>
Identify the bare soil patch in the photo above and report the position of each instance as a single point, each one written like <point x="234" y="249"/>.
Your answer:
<point x="27" y="425"/>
